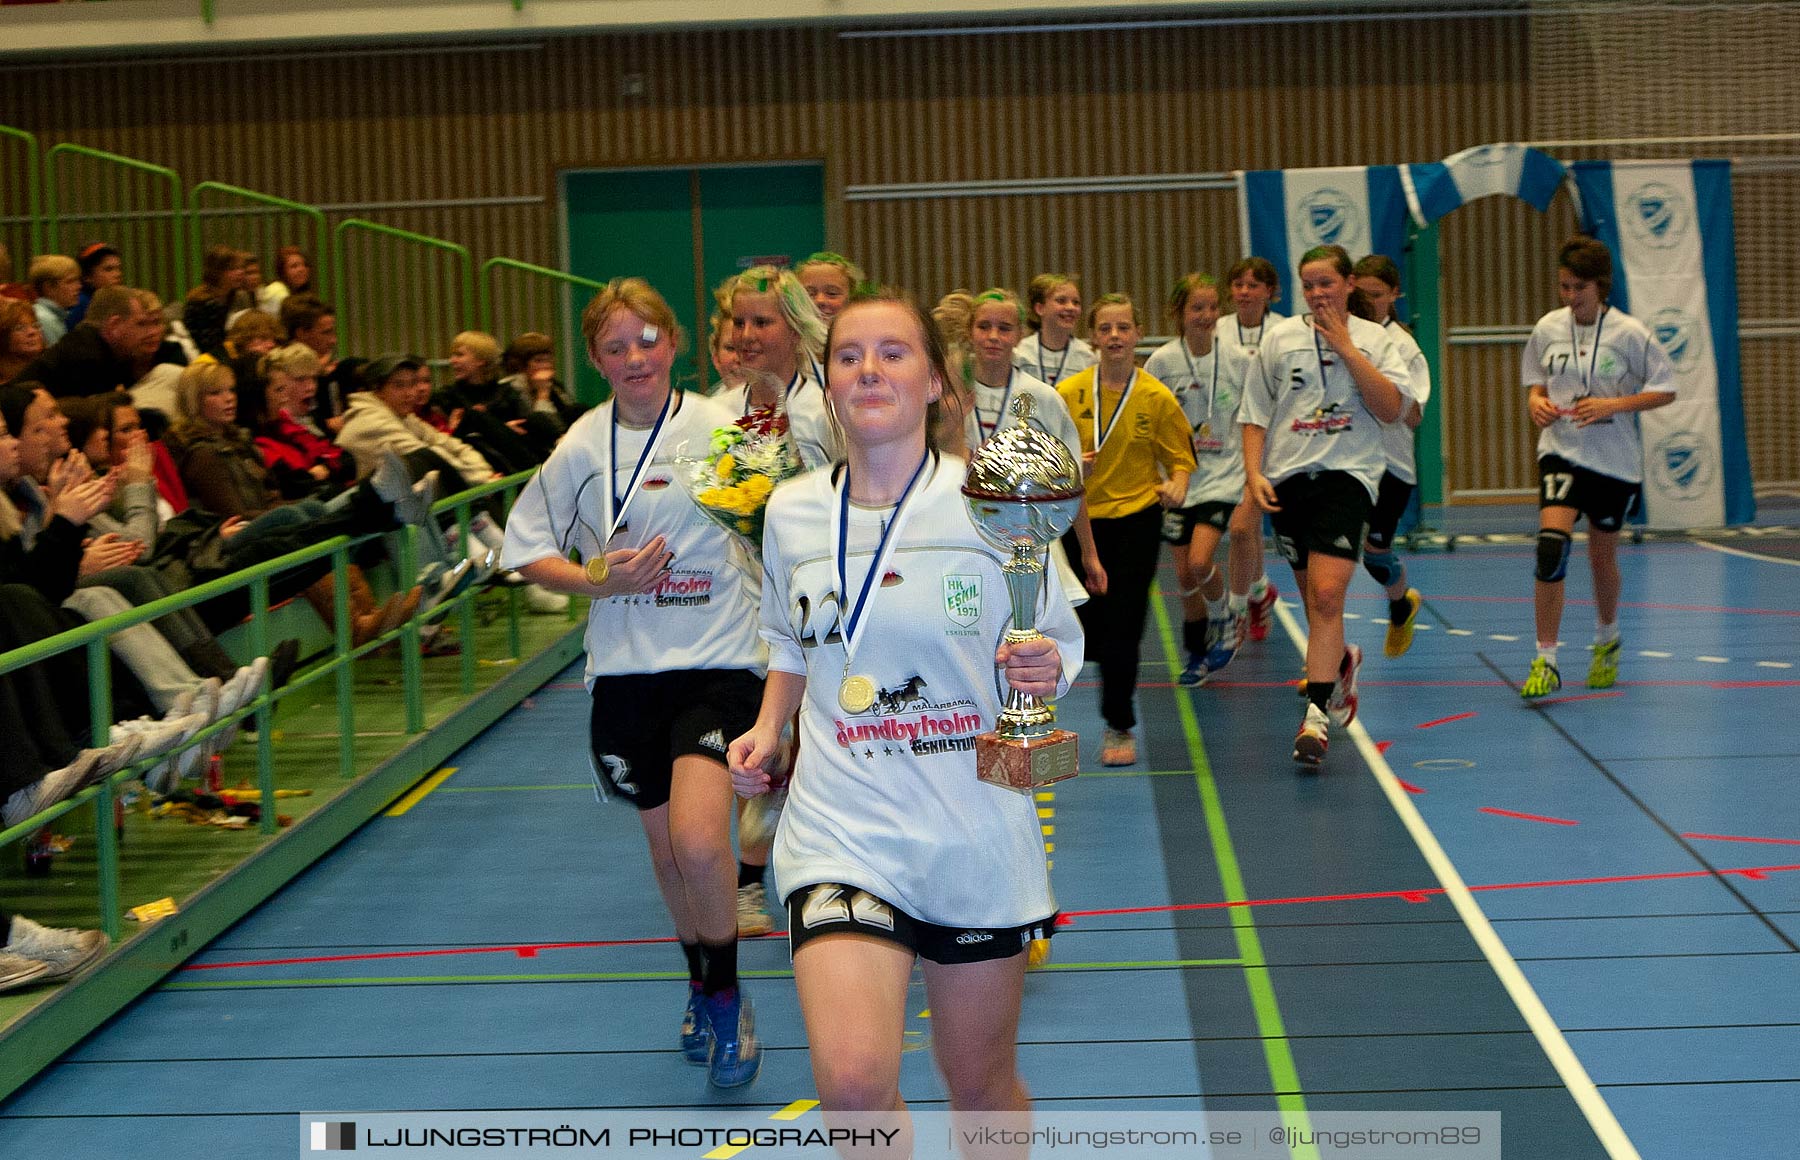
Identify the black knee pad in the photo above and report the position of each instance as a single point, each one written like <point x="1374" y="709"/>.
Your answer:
<point x="1553" y="549"/>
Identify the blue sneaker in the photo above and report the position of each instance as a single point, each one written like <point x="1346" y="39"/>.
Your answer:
<point x="696" y="1034"/>
<point x="1228" y="638"/>
<point x="1194" y="674"/>
<point x="736" y="1053"/>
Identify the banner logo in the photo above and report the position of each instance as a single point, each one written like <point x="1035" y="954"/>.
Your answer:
<point x="962" y="599"/>
<point x="1681" y="464"/>
<point x="1679" y="335"/>
<point x="1657" y="215"/>
<point x="1328" y="218"/>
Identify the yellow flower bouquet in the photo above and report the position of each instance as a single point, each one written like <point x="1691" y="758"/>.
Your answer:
<point x="732" y="484"/>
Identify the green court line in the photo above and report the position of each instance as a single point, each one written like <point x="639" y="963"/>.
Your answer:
<point x="632" y="976"/>
<point x="1284" y="1076"/>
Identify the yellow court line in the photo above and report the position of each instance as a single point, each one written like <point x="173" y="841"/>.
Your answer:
<point x="1046" y="812"/>
<point x="795" y="1110"/>
<point x="419" y="791"/>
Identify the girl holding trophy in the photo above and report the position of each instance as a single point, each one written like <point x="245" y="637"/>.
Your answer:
<point x="884" y="609"/>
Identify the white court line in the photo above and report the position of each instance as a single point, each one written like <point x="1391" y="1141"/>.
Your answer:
<point x="1767" y="559"/>
<point x="1661" y="656"/>
<point x="1774" y="665"/>
<point x="1543" y="1027"/>
<point x="1502" y="636"/>
<point x="1459" y="631"/>
<point x="1714" y="660"/>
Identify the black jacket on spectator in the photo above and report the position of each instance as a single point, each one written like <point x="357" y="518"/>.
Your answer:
<point x="335" y="389"/>
<point x="486" y="410"/>
<point x="80" y="364"/>
<point x="205" y="322"/>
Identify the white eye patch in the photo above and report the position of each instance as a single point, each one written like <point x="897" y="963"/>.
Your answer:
<point x="649" y="333"/>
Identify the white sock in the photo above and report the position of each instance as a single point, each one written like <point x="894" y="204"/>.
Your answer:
<point x="1606" y="633"/>
<point x="1259" y="587"/>
<point x="1216" y="609"/>
<point x="1547" y="651"/>
<point x="1238" y="602"/>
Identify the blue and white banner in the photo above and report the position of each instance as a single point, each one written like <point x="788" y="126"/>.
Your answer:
<point x="1437" y="187"/>
<point x="1669" y="226"/>
<point x="1286" y="212"/>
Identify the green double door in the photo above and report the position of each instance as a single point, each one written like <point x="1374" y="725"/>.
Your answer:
<point x="686" y="230"/>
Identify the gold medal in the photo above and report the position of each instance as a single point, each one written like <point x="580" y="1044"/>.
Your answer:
<point x="856" y="694"/>
<point x="597" y="570"/>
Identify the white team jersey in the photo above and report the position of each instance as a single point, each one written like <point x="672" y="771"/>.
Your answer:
<point x="1568" y="361"/>
<point x="814" y="440"/>
<point x="992" y="413"/>
<point x="1230" y="332"/>
<point x="887" y="800"/>
<point x="1302" y="395"/>
<point x="1209" y="389"/>
<point x="1397" y="437"/>
<point x="702" y="614"/>
<point x="1051" y="367"/>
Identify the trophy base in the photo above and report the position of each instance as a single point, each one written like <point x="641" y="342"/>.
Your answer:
<point x="1026" y="765"/>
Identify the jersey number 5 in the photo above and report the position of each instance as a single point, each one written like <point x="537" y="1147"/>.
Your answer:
<point x="1557" y="485"/>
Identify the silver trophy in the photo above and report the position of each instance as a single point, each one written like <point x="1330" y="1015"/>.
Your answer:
<point x="1024" y="491"/>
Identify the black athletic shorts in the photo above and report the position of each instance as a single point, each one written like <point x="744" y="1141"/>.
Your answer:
<point x="642" y="722"/>
<point x="1390" y="505"/>
<point x="1327" y="513"/>
<point x="834" y="908"/>
<point x="1178" y="524"/>
<point x="1604" y="499"/>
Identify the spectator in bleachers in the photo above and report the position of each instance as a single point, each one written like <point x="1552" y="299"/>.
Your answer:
<point x="21" y="340"/>
<point x="293" y="275"/>
<point x="209" y="304"/>
<point x="103" y="352"/>
<point x="530" y="364"/>
<point x="44" y="544"/>
<point x="56" y="281"/>
<point x="491" y="417"/>
<point x="8" y="287"/>
<point x="224" y="475"/>
<point x="384" y="418"/>
<point x="298" y="459"/>
<point x="249" y="291"/>
<point x="312" y="322"/>
<point x="101" y="267"/>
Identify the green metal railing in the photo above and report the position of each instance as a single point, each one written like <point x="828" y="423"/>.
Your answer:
<point x="130" y="227"/>
<point x="263" y="227"/>
<point x="34" y="181"/>
<point x="420" y="331"/>
<point x="93" y="639"/>
<point x="558" y="285"/>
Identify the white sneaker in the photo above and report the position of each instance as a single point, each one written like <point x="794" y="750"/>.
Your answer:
<point x="16" y="972"/>
<point x="762" y="814"/>
<point x="483" y="528"/>
<point x="542" y="600"/>
<point x="63" y="951"/>
<point x="53" y="787"/>
<point x="1342" y="706"/>
<point x="1311" y="740"/>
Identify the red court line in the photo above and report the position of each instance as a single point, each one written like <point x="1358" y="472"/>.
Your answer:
<point x="1529" y="817"/>
<point x="1447" y="720"/>
<point x="1741" y="838"/>
<point x="1408" y="786"/>
<point x="529" y="950"/>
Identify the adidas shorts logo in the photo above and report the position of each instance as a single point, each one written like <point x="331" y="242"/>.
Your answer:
<point x="714" y="740"/>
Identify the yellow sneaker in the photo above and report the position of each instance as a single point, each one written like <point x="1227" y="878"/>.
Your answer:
<point x="1542" y="680"/>
<point x="1400" y="635"/>
<point x="1603" y="670"/>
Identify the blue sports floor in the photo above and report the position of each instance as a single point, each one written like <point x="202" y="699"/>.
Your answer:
<point x="1619" y="976"/>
